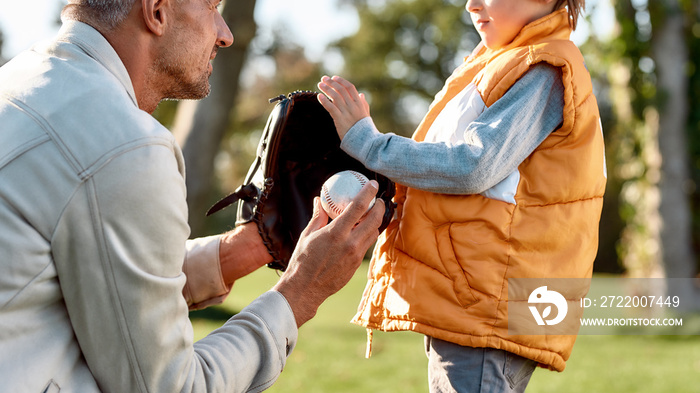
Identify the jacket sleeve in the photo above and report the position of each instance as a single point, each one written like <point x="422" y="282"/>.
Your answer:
<point x="205" y="284"/>
<point x="119" y="250"/>
<point x="492" y="146"/>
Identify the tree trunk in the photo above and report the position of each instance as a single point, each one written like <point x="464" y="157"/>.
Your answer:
<point x="200" y="125"/>
<point x="670" y="52"/>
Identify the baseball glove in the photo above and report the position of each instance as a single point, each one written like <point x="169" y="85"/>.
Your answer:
<point x="298" y="151"/>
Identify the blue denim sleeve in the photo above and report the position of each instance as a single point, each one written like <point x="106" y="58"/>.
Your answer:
<point x="501" y="138"/>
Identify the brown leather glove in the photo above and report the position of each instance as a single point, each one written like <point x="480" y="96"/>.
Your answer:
<point x="298" y="151"/>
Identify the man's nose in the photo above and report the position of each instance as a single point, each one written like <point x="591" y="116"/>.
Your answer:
<point x="225" y="37"/>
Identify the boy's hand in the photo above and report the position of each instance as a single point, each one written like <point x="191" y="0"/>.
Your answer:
<point x="346" y="106"/>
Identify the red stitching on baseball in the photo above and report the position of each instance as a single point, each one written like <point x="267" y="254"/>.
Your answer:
<point x="331" y="204"/>
<point x="360" y="177"/>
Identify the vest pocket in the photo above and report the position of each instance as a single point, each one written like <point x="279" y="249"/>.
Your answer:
<point x="460" y="282"/>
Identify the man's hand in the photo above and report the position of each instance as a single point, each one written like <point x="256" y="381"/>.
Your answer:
<point x="346" y="106"/>
<point x="327" y="255"/>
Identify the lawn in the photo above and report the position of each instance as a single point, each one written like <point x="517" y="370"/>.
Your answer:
<point x="330" y="354"/>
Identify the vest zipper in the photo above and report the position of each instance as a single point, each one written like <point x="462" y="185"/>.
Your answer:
<point x="368" y="352"/>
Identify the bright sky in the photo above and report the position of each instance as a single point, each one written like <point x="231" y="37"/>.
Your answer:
<point x="25" y="22"/>
<point x="312" y="23"/>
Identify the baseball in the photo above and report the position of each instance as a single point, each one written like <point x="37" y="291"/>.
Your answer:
<point x="340" y="189"/>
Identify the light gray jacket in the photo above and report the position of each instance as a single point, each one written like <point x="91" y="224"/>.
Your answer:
<point x="93" y="234"/>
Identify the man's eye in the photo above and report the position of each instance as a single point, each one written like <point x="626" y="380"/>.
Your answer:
<point x="216" y="4"/>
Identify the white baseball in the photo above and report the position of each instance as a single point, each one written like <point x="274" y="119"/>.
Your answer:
<point x="340" y="189"/>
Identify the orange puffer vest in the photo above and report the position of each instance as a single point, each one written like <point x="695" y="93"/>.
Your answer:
<point x="441" y="268"/>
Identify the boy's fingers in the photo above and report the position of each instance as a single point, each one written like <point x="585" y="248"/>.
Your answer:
<point x="342" y="87"/>
<point x="324" y="87"/>
<point x="339" y="87"/>
<point x="327" y="104"/>
<point x="365" y="104"/>
<point x="323" y="99"/>
<point x="331" y="91"/>
<point x="349" y="87"/>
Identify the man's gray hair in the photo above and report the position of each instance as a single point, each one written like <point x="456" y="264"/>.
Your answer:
<point x="109" y="13"/>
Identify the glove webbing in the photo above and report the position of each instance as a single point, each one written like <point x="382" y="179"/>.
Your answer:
<point x="247" y="193"/>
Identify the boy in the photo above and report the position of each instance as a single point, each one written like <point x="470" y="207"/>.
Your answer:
<point x="504" y="178"/>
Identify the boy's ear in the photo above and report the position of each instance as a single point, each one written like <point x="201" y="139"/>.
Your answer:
<point x="156" y="14"/>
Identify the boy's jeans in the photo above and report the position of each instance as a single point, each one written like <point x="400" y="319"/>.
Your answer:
<point x="453" y="368"/>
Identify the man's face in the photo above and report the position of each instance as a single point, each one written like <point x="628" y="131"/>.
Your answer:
<point x="197" y="32"/>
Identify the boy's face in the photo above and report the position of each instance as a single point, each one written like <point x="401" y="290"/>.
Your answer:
<point x="499" y="21"/>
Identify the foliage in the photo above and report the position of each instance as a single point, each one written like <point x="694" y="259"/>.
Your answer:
<point x="634" y="135"/>
<point x="596" y="53"/>
<point x="632" y="143"/>
<point x="693" y="38"/>
<point x="402" y="54"/>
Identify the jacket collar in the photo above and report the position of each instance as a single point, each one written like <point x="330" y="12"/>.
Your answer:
<point x="95" y="45"/>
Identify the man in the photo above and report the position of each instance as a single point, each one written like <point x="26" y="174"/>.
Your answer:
<point x="93" y="218"/>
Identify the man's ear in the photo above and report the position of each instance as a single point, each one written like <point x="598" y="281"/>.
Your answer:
<point x="155" y="15"/>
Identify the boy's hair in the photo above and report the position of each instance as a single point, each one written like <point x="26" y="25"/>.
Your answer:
<point x="575" y="7"/>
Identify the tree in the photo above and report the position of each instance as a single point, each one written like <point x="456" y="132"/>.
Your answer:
<point x="652" y="104"/>
<point x="200" y="125"/>
<point x="634" y="150"/>
<point x="402" y="54"/>
<point x="669" y="50"/>
<point x="693" y="39"/>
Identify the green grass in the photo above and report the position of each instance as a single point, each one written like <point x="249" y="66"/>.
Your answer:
<point x="330" y="354"/>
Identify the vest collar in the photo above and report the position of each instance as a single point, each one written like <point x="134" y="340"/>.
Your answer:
<point x="553" y="26"/>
